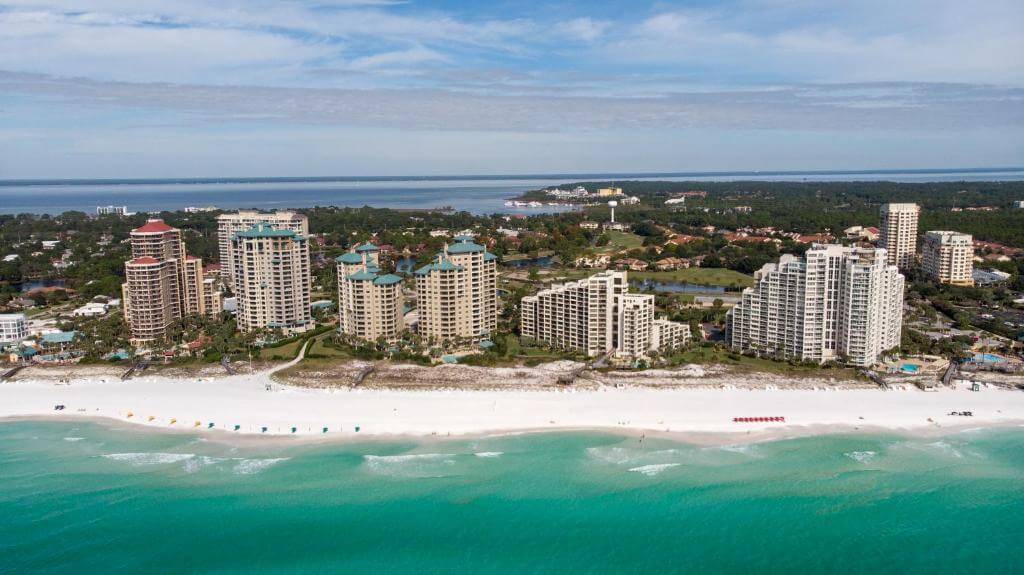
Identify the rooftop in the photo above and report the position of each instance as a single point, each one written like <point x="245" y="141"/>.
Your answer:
<point x="262" y="230"/>
<point x="465" y="248"/>
<point x="368" y="247"/>
<point x="153" y="227"/>
<point x="349" y="258"/>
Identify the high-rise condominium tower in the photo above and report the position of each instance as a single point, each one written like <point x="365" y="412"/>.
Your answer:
<point x="835" y="303"/>
<point x="369" y="302"/>
<point x="947" y="257"/>
<point x="272" y="279"/>
<point x="162" y="283"/>
<point x="230" y="224"/>
<point x="898" y="233"/>
<point x="457" y="293"/>
<point x="597" y="315"/>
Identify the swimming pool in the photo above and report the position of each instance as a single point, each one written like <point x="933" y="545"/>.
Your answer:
<point x="909" y="367"/>
<point x="989" y="357"/>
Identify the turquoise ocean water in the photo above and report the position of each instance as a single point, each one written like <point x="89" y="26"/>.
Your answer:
<point x="85" y="498"/>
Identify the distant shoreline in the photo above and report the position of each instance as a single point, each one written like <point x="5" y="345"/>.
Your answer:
<point x="498" y="177"/>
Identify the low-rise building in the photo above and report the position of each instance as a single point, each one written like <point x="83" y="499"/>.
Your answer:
<point x="13" y="328"/>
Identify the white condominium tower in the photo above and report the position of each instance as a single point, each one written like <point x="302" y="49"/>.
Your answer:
<point x="369" y="303"/>
<point x="272" y="279"/>
<point x="597" y="315"/>
<point x="835" y="303"/>
<point x="948" y="257"/>
<point x="898" y="233"/>
<point x="162" y="283"/>
<point x="457" y="293"/>
<point x="230" y="224"/>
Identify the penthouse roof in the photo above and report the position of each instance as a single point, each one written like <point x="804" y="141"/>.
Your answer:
<point x="349" y="258"/>
<point x="153" y="227"/>
<point x="465" y="248"/>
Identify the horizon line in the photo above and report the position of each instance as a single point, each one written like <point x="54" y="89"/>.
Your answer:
<point x="525" y="176"/>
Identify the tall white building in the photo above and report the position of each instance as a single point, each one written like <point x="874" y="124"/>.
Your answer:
<point x="948" y="257"/>
<point x="13" y="328"/>
<point x="457" y="293"/>
<point x="597" y="315"/>
<point x="835" y="303"/>
<point x="898" y="233"/>
<point x="230" y="224"/>
<point x="272" y="279"/>
<point x="369" y="303"/>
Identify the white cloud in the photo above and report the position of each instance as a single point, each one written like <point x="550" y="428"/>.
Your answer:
<point x="585" y="29"/>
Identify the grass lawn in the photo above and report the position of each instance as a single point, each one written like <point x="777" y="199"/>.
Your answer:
<point x="624" y="240"/>
<point x="319" y="349"/>
<point x="286" y="351"/>
<point x="705" y="276"/>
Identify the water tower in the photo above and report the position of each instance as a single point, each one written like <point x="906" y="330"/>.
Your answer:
<point x="612" y="205"/>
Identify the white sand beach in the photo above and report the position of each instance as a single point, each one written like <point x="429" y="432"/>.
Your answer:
<point x="247" y="402"/>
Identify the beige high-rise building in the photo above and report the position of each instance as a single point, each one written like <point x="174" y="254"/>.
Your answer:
<point x="230" y="224"/>
<point x="948" y="257"/>
<point x="597" y="315"/>
<point x="369" y="303"/>
<point x="213" y="299"/>
<point x="162" y="284"/>
<point x="578" y="315"/>
<point x="272" y="279"/>
<point x="457" y="293"/>
<point x="898" y="233"/>
<point x="835" y="303"/>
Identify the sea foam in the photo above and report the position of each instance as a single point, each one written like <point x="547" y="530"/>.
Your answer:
<point x="155" y="458"/>
<point x="653" y="469"/>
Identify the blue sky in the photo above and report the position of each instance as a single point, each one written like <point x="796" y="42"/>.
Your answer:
<point x="154" y="88"/>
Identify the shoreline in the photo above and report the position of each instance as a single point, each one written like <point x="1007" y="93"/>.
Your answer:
<point x="695" y="438"/>
<point x="690" y="414"/>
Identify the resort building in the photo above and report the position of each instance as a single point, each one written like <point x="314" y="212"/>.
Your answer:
<point x="370" y="304"/>
<point x="948" y="257"/>
<point x="213" y="299"/>
<point x="597" y="315"/>
<point x="230" y="224"/>
<point x="667" y="336"/>
<point x="835" y="303"/>
<point x="13" y="328"/>
<point x="272" y="279"/>
<point x="898" y="233"/>
<point x="162" y="284"/>
<point x="457" y="293"/>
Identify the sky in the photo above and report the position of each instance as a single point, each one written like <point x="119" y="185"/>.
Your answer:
<point x="185" y="88"/>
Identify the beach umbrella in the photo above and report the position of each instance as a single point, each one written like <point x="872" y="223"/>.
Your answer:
<point x="293" y="429"/>
<point x="237" y="427"/>
<point x="130" y="414"/>
<point x="173" y="421"/>
<point x="210" y="425"/>
<point x="325" y="430"/>
<point x="263" y="429"/>
<point x="151" y="418"/>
